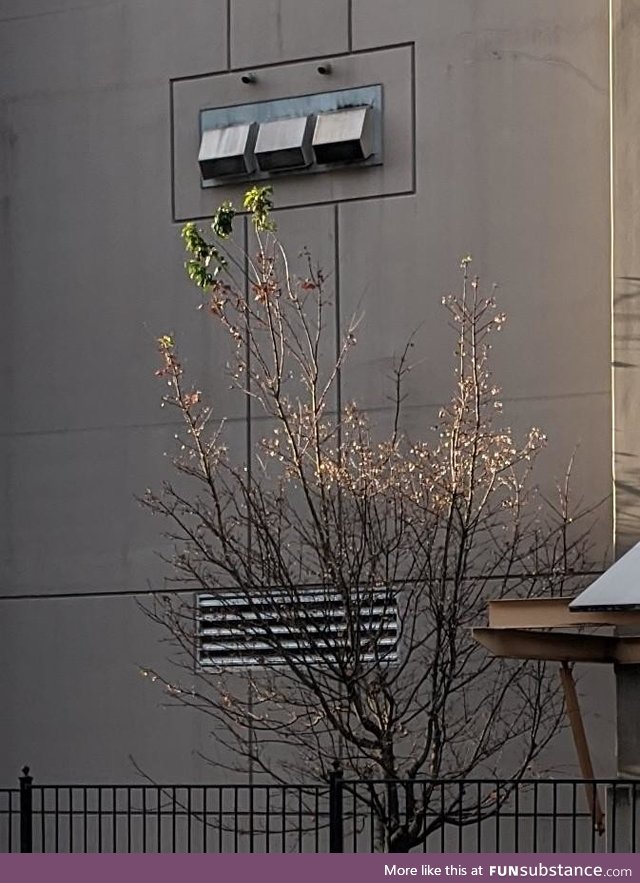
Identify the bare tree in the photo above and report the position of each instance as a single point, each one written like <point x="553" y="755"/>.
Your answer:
<point x="344" y="571"/>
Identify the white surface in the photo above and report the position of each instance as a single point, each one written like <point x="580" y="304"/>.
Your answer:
<point x="619" y="586"/>
<point x="341" y="125"/>
<point x="228" y="142"/>
<point x="281" y="134"/>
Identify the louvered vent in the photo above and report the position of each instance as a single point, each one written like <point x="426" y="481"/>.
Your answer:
<point x="310" y="626"/>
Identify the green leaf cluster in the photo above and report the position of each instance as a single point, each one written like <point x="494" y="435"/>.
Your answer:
<point x="259" y="201"/>
<point x="207" y="261"/>
<point x="222" y="224"/>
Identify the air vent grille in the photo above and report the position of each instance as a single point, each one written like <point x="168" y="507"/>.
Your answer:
<point x="308" y="626"/>
<point x="303" y="134"/>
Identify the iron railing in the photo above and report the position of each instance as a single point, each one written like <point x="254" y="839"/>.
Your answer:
<point x="493" y="815"/>
<point x="341" y="815"/>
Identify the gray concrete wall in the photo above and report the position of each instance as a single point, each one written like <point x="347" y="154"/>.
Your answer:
<point x="625" y="30"/>
<point x="626" y="271"/>
<point x="507" y="138"/>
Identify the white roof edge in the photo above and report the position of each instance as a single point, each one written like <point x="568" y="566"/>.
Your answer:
<point x="617" y="589"/>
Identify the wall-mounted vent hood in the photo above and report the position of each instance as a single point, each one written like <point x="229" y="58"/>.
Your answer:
<point x="343" y="136"/>
<point x="227" y="151"/>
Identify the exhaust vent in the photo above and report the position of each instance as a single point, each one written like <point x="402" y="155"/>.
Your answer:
<point x="227" y="151"/>
<point x="307" y="625"/>
<point x="301" y="135"/>
<point x="343" y="136"/>
<point x="284" y="144"/>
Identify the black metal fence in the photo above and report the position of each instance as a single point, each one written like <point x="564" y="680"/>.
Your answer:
<point x="341" y="815"/>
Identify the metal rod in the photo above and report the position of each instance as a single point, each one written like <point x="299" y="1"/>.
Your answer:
<point x="26" y="816"/>
<point x="582" y="746"/>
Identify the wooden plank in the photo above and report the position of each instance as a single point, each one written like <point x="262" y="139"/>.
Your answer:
<point x="549" y="646"/>
<point x="628" y="650"/>
<point x="543" y="613"/>
<point x="559" y="646"/>
<point x="582" y="746"/>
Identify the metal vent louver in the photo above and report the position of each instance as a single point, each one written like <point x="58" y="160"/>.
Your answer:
<point x="298" y="135"/>
<point x="284" y="144"/>
<point x="343" y="136"/>
<point x="308" y="626"/>
<point x="227" y="151"/>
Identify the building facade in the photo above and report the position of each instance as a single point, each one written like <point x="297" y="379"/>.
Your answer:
<point x="502" y="125"/>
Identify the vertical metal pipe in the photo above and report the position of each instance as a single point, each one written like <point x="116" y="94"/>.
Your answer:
<point x="336" y="821"/>
<point x="26" y="815"/>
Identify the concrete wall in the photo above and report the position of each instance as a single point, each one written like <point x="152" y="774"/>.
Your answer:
<point x="626" y="270"/>
<point x="625" y="68"/>
<point x="507" y="136"/>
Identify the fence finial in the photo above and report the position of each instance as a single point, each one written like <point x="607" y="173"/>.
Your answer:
<point x="26" y="811"/>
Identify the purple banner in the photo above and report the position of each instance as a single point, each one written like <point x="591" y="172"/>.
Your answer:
<point x="312" y="868"/>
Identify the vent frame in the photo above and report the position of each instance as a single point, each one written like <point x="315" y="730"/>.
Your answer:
<point x="282" y="109"/>
<point x="224" y="639"/>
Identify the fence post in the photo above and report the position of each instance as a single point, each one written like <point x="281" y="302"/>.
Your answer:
<point x="26" y="805"/>
<point x="336" y="832"/>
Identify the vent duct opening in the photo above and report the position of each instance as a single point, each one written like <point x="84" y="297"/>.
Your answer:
<point x="284" y="144"/>
<point x="227" y="151"/>
<point x="308" y="624"/>
<point x="343" y="136"/>
<point x="301" y="135"/>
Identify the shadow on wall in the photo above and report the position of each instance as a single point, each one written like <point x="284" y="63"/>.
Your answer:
<point x="627" y="490"/>
<point x="626" y="308"/>
<point x="627" y="320"/>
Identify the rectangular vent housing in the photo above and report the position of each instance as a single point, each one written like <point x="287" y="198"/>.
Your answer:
<point x="227" y="151"/>
<point x="343" y="136"/>
<point x="301" y="135"/>
<point x="283" y="144"/>
<point x="308" y="626"/>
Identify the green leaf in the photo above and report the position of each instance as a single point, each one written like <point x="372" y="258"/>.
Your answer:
<point x="193" y="241"/>
<point x="198" y="274"/>
<point x="258" y="201"/>
<point x="222" y="224"/>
